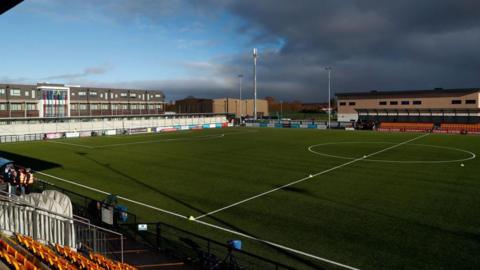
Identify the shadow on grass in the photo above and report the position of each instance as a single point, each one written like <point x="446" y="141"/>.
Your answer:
<point x="29" y="162"/>
<point x="296" y="190"/>
<point x="294" y="257"/>
<point x="463" y="234"/>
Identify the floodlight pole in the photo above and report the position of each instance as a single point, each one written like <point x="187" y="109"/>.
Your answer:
<point x="255" y="84"/>
<point x="240" y="76"/>
<point x="329" y="69"/>
<point x="281" y="108"/>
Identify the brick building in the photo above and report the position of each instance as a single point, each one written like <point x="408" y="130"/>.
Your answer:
<point x="47" y="100"/>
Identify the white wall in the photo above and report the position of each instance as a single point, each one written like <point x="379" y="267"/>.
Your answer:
<point x="105" y="124"/>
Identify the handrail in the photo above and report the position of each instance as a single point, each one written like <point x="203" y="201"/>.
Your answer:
<point x="211" y="241"/>
<point x="130" y="214"/>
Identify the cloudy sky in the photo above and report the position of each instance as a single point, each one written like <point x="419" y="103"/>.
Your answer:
<point x="198" y="47"/>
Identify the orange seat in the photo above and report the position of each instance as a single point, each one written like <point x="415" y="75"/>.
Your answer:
<point x="14" y="258"/>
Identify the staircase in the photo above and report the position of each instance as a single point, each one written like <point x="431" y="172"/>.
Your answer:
<point x="145" y="257"/>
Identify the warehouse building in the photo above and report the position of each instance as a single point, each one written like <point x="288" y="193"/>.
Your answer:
<point x="435" y="106"/>
<point x="233" y="106"/>
<point x="45" y="100"/>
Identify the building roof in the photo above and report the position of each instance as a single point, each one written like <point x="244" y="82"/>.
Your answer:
<point x="408" y="93"/>
<point x="12" y="85"/>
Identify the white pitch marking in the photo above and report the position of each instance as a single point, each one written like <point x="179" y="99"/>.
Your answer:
<point x="107" y="193"/>
<point x="472" y="155"/>
<point x="308" y="177"/>
<point x="193" y="219"/>
<point x="276" y="245"/>
<point x="164" y="140"/>
<point x="72" y="144"/>
<point x="214" y="136"/>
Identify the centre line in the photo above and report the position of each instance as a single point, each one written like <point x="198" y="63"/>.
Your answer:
<point x="309" y="177"/>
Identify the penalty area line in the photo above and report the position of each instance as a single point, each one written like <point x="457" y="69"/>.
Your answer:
<point x="191" y="219"/>
<point x="309" y="177"/>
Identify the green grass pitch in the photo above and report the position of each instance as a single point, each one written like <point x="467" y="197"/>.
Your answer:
<point x="410" y="209"/>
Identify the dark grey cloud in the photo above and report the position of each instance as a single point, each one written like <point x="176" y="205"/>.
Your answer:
<point x="370" y="44"/>
<point x="97" y="70"/>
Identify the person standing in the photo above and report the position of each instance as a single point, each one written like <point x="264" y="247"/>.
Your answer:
<point x="22" y="181"/>
<point x="30" y="181"/>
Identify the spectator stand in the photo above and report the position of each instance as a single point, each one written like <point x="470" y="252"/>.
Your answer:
<point x="47" y="226"/>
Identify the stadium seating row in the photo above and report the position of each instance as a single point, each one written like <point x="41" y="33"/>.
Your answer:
<point x="109" y="264"/>
<point x="461" y="127"/>
<point x="398" y="126"/>
<point x="14" y="259"/>
<point x="65" y="258"/>
<point x="81" y="261"/>
<point x="48" y="256"/>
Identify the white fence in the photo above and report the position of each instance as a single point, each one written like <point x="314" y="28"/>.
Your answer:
<point x="49" y="227"/>
<point x="100" y="124"/>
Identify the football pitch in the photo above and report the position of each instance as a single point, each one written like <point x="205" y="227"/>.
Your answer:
<point x="367" y="200"/>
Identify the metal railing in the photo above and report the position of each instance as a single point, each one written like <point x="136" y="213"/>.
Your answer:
<point x="199" y="250"/>
<point x="51" y="227"/>
<point x="80" y="201"/>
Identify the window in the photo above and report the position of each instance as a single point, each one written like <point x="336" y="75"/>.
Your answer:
<point x="123" y="95"/>
<point x="382" y="103"/>
<point x="104" y="106"/>
<point x="15" y="92"/>
<point x="417" y="102"/>
<point x="134" y="106"/>
<point x="33" y="93"/>
<point x="111" y="95"/>
<point x="93" y="107"/>
<point x="141" y="106"/>
<point x="73" y="107"/>
<point x="82" y="93"/>
<point x="470" y="101"/>
<point x="31" y="106"/>
<point x="133" y="95"/>
<point x="3" y="107"/>
<point x="343" y="103"/>
<point x="159" y="106"/>
<point x="93" y="93"/>
<point x="2" y="91"/>
<point x="72" y="94"/>
<point x="351" y="104"/>
<point x="405" y="102"/>
<point x="116" y="95"/>
<point x="393" y="102"/>
<point x="101" y="95"/>
<point x="83" y="107"/>
<point x="27" y="93"/>
<point x="158" y="95"/>
<point x="456" y="101"/>
<point x="16" y="107"/>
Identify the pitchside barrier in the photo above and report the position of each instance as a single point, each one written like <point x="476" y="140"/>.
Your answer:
<point x="109" y="132"/>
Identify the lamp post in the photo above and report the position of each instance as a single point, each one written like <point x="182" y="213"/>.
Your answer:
<point x="240" y="76"/>
<point x="255" y="84"/>
<point x="281" y="109"/>
<point x="329" y="69"/>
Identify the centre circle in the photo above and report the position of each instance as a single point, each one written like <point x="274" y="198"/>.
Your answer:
<point x="316" y="149"/>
